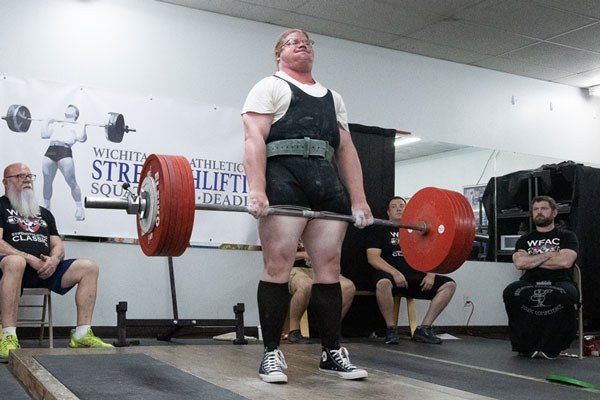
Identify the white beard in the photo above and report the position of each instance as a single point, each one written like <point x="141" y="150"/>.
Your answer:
<point x="25" y="203"/>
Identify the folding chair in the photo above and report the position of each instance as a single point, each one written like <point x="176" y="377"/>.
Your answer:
<point x="46" y="317"/>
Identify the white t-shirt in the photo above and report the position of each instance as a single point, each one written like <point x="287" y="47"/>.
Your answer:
<point x="272" y="95"/>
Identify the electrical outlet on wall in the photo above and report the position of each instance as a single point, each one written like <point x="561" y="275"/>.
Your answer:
<point x="466" y="301"/>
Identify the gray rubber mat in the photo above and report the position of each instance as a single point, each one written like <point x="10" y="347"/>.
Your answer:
<point x="132" y="376"/>
<point x="469" y="365"/>
<point x="9" y="386"/>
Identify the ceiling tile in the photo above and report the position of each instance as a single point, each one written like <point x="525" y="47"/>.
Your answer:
<point x="478" y="39"/>
<point x="477" y="32"/>
<point x="335" y="29"/>
<point x="416" y="46"/>
<point x="371" y="14"/>
<point x="520" y="68"/>
<point x="279" y="4"/>
<point x="586" y="38"/>
<point x="424" y="148"/>
<point x="556" y="57"/>
<point x="584" y="79"/>
<point x="524" y="17"/>
<point x="591" y="8"/>
<point x="439" y="7"/>
<point x="233" y="8"/>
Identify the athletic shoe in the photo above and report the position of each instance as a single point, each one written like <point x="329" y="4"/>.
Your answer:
<point x="391" y="335"/>
<point x="546" y="355"/>
<point x="426" y="334"/>
<point x="271" y="367"/>
<point x="7" y="344"/>
<point x="295" y="336"/>
<point x="89" y="341"/>
<point x="337" y="362"/>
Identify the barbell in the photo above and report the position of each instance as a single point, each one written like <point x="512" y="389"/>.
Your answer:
<point x="436" y="232"/>
<point x="18" y="118"/>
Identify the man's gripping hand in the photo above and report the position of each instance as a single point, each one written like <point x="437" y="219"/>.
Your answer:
<point x="362" y="215"/>
<point x="258" y="204"/>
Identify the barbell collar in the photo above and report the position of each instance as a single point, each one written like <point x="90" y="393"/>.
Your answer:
<point x="108" y="203"/>
<point x="129" y="205"/>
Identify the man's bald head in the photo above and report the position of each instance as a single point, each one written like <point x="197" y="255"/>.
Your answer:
<point x="18" y="187"/>
<point x="14" y="169"/>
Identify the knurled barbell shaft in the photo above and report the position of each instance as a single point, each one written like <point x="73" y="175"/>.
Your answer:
<point x="128" y="205"/>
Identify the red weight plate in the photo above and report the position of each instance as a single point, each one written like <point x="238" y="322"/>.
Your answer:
<point x="181" y="223"/>
<point x="465" y="233"/>
<point x="152" y="242"/>
<point x="171" y="191"/>
<point x="176" y="193"/>
<point x="470" y="227"/>
<point x="428" y="252"/>
<point x="451" y="258"/>
<point x="168" y="235"/>
<point x="187" y="206"/>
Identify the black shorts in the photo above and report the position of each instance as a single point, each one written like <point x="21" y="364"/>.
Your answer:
<point x="32" y="280"/>
<point x="305" y="182"/>
<point x="414" y="281"/>
<point x="57" y="153"/>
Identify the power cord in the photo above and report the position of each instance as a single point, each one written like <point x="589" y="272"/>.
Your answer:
<point x="469" y="303"/>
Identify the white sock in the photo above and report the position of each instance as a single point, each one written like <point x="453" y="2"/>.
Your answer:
<point x="9" y="330"/>
<point x="47" y="204"/>
<point x="81" y="330"/>
<point x="79" y="204"/>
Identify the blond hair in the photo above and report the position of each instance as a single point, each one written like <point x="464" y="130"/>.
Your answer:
<point x="282" y="39"/>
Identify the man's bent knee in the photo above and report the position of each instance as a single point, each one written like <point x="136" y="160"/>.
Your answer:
<point x="13" y="264"/>
<point x="302" y="285"/>
<point x="384" y="284"/>
<point x="86" y="266"/>
<point x="449" y="286"/>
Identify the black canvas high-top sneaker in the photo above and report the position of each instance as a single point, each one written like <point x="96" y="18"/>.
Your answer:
<point x="272" y="366"/>
<point x="337" y="362"/>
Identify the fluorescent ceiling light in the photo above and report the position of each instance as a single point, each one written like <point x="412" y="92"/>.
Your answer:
<point x="594" y="90"/>
<point x="403" y="141"/>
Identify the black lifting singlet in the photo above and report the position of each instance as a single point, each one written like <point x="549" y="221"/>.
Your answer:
<point x="307" y="116"/>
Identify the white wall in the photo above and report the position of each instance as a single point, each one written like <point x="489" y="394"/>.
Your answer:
<point x="209" y="283"/>
<point x="480" y="282"/>
<point x="151" y="48"/>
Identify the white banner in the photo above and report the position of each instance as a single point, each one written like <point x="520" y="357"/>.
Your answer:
<point x="209" y="136"/>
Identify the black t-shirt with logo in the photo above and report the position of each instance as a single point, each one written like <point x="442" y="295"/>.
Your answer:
<point x="542" y="242"/>
<point x="29" y="235"/>
<point x="386" y="238"/>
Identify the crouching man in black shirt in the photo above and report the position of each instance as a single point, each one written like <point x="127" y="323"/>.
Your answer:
<point x="32" y="256"/>
<point x="541" y="305"/>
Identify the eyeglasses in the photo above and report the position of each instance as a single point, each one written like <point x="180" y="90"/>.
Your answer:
<point x="297" y="42"/>
<point x="22" y="177"/>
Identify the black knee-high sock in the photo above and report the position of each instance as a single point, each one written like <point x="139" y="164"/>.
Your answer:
<point x="326" y="303"/>
<point x="273" y="305"/>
